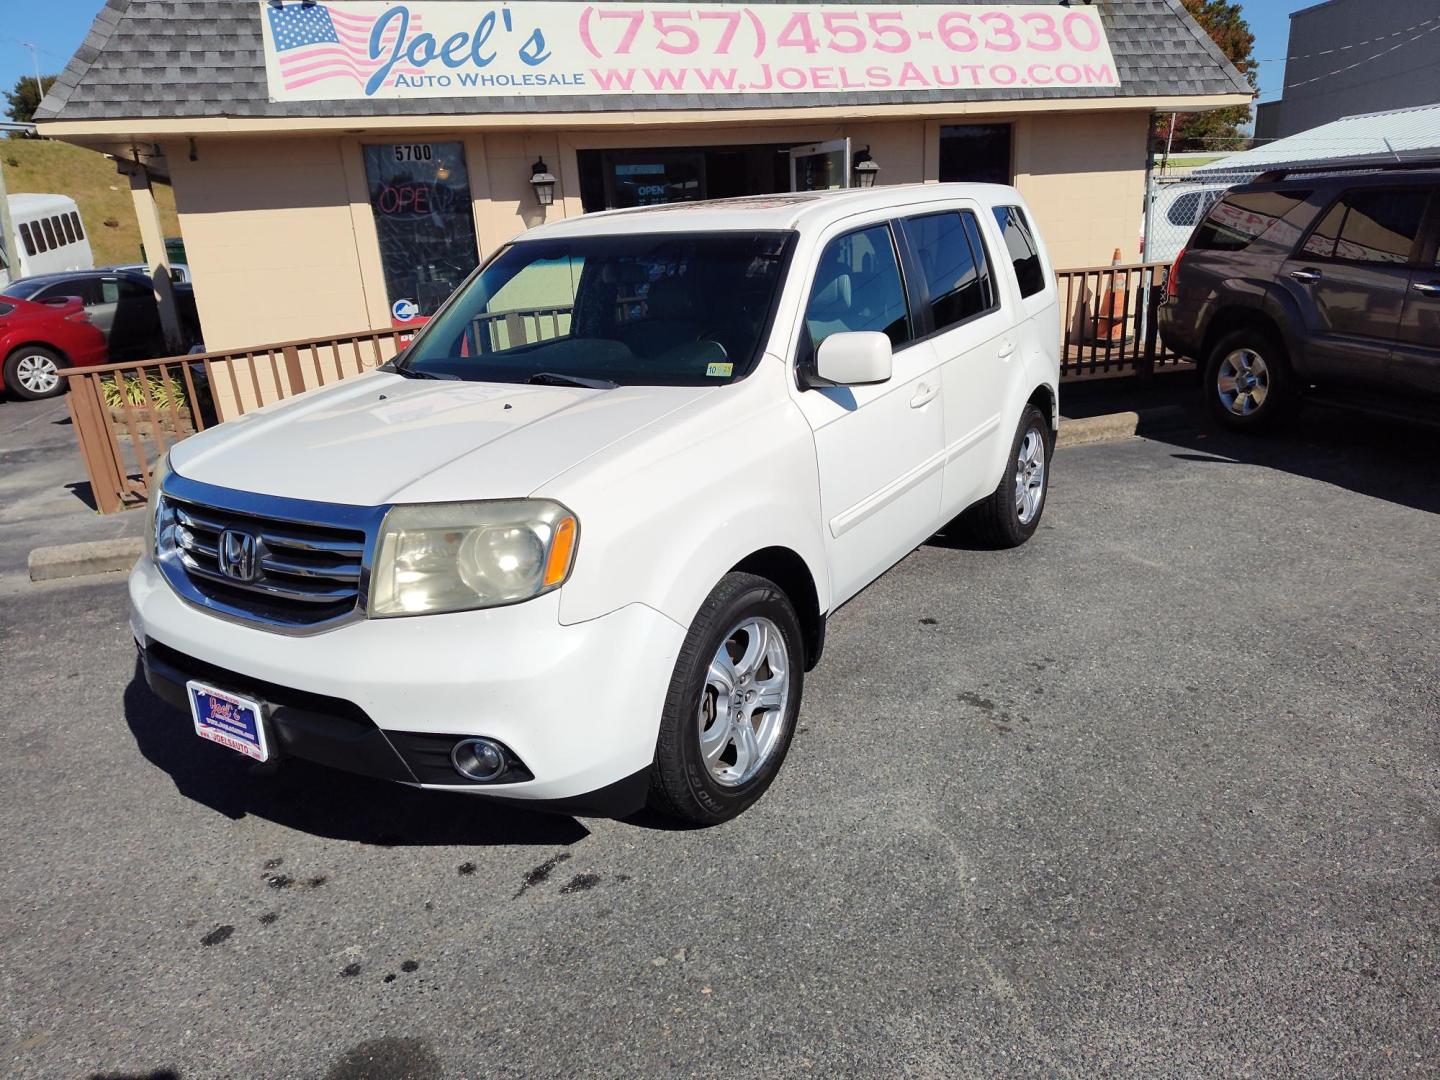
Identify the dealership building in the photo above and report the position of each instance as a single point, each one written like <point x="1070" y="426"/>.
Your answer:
<point x="342" y="166"/>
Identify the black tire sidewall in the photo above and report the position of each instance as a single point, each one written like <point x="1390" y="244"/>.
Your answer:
<point x="741" y="596"/>
<point x="12" y="366"/>
<point x="1277" y="365"/>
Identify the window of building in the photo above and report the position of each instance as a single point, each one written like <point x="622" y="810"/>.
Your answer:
<point x="957" y="273"/>
<point x="858" y="287"/>
<point x="1375" y="226"/>
<point x="1024" y="252"/>
<point x="27" y="239"/>
<point x="420" y="196"/>
<point x="1237" y="221"/>
<point x="979" y="153"/>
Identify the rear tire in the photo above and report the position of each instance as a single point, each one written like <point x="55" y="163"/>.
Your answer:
<point x="742" y="664"/>
<point x="1010" y="515"/>
<point x="30" y="373"/>
<point x="1248" y="385"/>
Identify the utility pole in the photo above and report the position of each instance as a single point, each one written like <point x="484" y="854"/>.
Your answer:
<point x="39" y="82"/>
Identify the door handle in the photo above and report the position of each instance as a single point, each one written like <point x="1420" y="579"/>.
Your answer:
<point x="1007" y="348"/>
<point x="1428" y="288"/>
<point x="924" y="394"/>
<point x="1306" y="277"/>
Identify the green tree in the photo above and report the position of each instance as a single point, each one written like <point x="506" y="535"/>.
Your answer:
<point x="1218" y="130"/>
<point x="25" y="99"/>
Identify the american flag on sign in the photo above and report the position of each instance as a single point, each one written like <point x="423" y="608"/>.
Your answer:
<point x="314" y="42"/>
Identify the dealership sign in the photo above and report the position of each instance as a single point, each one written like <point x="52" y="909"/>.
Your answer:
<point x="447" y="48"/>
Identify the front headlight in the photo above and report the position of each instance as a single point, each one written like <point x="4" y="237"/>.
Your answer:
<point x="154" y="504"/>
<point x="459" y="556"/>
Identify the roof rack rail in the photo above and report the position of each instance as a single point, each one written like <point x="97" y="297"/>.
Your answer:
<point x="1269" y="176"/>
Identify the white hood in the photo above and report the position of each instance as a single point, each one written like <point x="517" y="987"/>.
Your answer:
<point x="383" y="438"/>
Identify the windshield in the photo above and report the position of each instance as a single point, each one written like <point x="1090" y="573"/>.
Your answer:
<point x="661" y="309"/>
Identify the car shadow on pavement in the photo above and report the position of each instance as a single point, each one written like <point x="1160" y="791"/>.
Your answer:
<point x="1370" y="455"/>
<point x="325" y="802"/>
<point x="1384" y="459"/>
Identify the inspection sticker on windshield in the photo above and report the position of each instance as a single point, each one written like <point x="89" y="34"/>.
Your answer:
<point x="719" y="370"/>
<point x="233" y="722"/>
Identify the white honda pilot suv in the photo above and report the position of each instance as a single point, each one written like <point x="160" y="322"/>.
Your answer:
<point x="577" y="544"/>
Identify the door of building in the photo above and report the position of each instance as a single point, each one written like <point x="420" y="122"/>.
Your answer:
<point x="822" y="166"/>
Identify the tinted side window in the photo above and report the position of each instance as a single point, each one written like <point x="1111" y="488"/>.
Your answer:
<point x="130" y="290"/>
<point x="858" y="287"/>
<point x="69" y="228"/>
<point x="956" y="279"/>
<point x="79" y="226"/>
<point x="1024" y="252"/>
<point x="1376" y="226"/>
<point x="49" y="231"/>
<point x="27" y="239"/>
<point x="1237" y="220"/>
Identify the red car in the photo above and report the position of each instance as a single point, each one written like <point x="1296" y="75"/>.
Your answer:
<point x="37" y="340"/>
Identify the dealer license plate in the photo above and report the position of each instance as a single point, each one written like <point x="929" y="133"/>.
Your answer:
<point x="234" y="722"/>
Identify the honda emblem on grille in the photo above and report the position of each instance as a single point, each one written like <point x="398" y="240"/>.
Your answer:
<point x="237" y="555"/>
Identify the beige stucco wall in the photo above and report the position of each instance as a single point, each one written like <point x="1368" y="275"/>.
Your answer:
<point x="282" y="243"/>
<point x="1084" y="177"/>
<point x="270" y="238"/>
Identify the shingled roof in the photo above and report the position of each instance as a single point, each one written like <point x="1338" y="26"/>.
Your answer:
<point x="204" y="58"/>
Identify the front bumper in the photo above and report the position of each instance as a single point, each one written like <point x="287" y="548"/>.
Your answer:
<point x="579" y="705"/>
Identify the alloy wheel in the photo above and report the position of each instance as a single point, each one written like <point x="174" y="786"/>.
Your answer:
<point x="742" y="706"/>
<point x="1243" y="382"/>
<point x="1030" y="476"/>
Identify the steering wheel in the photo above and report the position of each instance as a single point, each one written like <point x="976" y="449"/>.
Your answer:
<point x="707" y="337"/>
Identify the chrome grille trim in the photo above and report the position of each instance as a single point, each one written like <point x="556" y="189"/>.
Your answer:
<point x="312" y="559"/>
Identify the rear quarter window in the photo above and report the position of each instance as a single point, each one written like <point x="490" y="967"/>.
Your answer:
<point x="1241" y="218"/>
<point x="1020" y="245"/>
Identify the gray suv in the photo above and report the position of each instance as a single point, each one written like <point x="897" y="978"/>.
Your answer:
<point x="1322" y="286"/>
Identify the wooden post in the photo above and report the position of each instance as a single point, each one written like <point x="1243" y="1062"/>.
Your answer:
<point x="293" y="375"/>
<point x="1146" y="368"/>
<point x="89" y="423"/>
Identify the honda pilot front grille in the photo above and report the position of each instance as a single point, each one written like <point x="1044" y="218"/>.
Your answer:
<point x="248" y="558"/>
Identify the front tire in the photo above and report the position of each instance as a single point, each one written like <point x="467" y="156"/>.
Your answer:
<point x="1247" y="381"/>
<point x="31" y="373"/>
<point x="1010" y="515"/>
<point x="730" y="713"/>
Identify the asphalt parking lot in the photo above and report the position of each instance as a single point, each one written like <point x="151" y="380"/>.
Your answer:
<point x="1153" y="796"/>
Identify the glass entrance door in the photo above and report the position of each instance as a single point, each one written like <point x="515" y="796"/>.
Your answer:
<point x="822" y="166"/>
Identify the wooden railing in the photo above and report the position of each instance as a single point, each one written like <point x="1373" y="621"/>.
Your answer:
<point x="1111" y="321"/>
<point x="127" y="415"/>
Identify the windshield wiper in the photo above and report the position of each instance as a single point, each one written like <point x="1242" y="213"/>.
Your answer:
<point x="556" y="378"/>
<point x="412" y="373"/>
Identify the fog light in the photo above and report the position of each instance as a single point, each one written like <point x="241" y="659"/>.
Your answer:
<point x="478" y="759"/>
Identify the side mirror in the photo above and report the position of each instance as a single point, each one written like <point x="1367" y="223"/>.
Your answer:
<point x="854" y="358"/>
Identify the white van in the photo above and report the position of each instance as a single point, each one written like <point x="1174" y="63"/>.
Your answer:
<point x="1174" y="213"/>
<point x="577" y="545"/>
<point x="50" y="237"/>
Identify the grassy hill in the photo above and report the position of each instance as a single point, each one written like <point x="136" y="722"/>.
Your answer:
<point x="40" y="165"/>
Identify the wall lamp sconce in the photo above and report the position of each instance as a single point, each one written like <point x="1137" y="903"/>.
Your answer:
<point x="865" y="169"/>
<point x="543" y="181"/>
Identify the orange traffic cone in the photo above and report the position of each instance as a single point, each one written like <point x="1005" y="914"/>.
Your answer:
<point x="1109" y="324"/>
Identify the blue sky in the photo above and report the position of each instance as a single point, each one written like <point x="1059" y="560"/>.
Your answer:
<point x="56" y="28"/>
